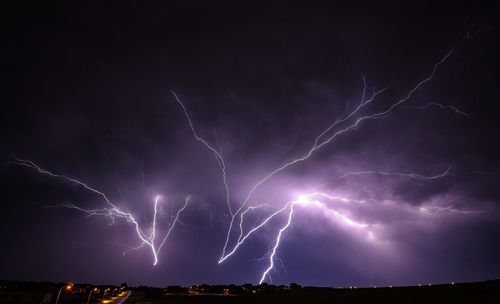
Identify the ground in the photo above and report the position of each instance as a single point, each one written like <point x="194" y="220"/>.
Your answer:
<point x="484" y="292"/>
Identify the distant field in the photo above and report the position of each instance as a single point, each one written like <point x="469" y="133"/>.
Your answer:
<point x="485" y="292"/>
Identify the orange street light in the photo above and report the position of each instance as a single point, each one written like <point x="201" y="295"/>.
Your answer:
<point x="92" y="290"/>
<point x="104" y="294"/>
<point x="68" y="287"/>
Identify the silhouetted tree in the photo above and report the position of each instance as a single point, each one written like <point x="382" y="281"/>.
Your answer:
<point x="295" y="286"/>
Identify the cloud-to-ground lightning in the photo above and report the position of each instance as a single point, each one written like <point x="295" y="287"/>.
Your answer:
<point x="113" y="211"/>
<point x="304" y="200"/>
<point x="319" y="144"/>
<point x="327" y="136"/>
<point x="314" y="200"/>
<point x="307" y="201"/>
<point x="276" y="244"/>
<point x="348" y="121"/>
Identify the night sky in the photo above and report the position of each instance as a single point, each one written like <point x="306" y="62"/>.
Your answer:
<point x="86" y="93"/>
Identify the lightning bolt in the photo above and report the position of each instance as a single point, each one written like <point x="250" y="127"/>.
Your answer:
<point x="444" y="107"/>
<point x="113" y="211"/>
<point x="325" y="137"/>
<point x="343" y="124"/>
<point x="450" y="208"/>
<point x="409" y="175"/>
<point x="217" y="154"/>
<point x="307" y="202"/>
<point x="320" y="143"/>
<point x="311" y="201"/>
<point x="276" y="244"/>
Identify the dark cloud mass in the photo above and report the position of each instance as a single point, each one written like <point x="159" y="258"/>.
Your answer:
<point x="86" y="94"/>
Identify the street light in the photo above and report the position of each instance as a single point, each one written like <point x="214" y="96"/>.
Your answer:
<point x="68" y="287"/>
<point x="94" y="290"/>
<point x="104" y="294"/>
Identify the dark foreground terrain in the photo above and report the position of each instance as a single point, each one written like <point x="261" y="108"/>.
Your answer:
<point x="36" y="293"/>
<point x="482" y="292"/>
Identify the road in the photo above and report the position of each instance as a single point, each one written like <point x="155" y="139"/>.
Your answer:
<point x="121" y="298"/>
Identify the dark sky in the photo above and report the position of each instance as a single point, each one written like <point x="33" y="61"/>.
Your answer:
<point x="85" y="91"/>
